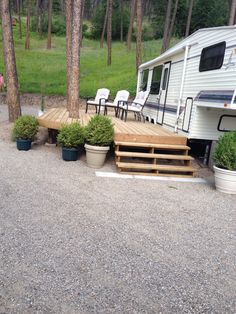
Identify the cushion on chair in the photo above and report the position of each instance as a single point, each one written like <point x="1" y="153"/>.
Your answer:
<point x="102" y="93"/>
<point x="122" y="95"/>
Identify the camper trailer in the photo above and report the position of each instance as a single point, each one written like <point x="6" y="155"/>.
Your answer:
<point x="193" y="85"/>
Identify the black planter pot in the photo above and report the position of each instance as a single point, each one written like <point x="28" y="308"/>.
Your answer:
<point x="23" y="144"/>
<point x="70" y="154"/>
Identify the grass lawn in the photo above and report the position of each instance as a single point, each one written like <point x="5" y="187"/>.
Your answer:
<point x="44" y="71"/>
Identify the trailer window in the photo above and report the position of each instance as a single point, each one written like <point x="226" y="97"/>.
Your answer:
<point x="144" y="80"/>
<point x="163" y="87"/>
<point x="156" y="80"/>
<point x="212" y="57"/>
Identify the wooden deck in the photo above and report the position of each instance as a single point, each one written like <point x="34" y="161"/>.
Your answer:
<point x="140" y="148"/>
<point x="130" y="131"/>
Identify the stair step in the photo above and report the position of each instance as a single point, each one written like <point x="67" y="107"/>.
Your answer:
<point x="149" y="145"/>
<point x="154" y="174"/>
<point x="169" y="168"/>
<point x="151" y="155"/>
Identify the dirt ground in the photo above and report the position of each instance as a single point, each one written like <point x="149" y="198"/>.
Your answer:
<point x="74" y="242"/>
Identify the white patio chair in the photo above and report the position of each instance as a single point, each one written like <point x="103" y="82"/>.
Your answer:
<point x="99" y="101"/>
<point x="136" y="106"/>
<point x="122" y="96"/>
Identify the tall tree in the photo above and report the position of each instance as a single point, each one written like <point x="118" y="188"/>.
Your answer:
<point x="172" y="24"/>
<point x="104" y="26"/>
<point x="190" y="10"/>
<point x="19" y="17"/>
<point x="27" y="40"/>
<point x="109" y="32"/>
<point x="166" y="27"/>
<point x="121" y="20"/>
<point x="132" y="17"/>
<point x="49" y="41"/>
<point x="73" y="23"/>
<point x="139" y="35"/>
<point x="13" y="98"/>
<point x="232" y="12"/>
<point x="39" y="17"/>
<point x="81" y="17"/>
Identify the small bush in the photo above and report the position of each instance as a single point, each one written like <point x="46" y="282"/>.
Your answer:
<point x="71" y="136"/>
<point x="58" y="25"/>
<point x="225" y="152"/>
<point x="25" y="128"/>
<point x="99" y="131"/>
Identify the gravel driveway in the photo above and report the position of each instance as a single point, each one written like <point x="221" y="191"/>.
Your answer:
<point x="72" y="242"/>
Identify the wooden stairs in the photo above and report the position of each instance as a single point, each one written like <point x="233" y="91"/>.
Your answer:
<point x="154" y="159"/>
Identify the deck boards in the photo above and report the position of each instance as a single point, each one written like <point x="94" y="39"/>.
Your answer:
<point x="130" y="131"/>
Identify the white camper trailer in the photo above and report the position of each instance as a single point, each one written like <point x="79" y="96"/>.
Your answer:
<point x="193" y="85"/>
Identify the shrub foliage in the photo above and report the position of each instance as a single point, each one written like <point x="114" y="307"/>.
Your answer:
<point x="25" y="128"/>
<point x="71" y="136"/>
<point x="225" y="152"/>
<point x="99" y="131"/>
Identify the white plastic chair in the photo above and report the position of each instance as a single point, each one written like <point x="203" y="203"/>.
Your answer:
<point x="136" y="106"/>
<point x="122" y="96"/>
<point x="99" y="101"/>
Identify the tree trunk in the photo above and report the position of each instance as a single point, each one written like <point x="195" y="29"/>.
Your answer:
<point x="132" y="17"/>
<point x="109" y="32"/>
<point x="190" y="10"/>
<point x="172" y="23"/>
<point x="73" y="17"/>
<point x="104" y="26"/>
<point x="121" y="21"/>
<point x="139" y="35"/>
<point x="81" y="28"/>
<point x="68" y="45"/>
<point x="39" y="9"/>
<point x="13" y="98"/>
<point x="19" y="18"/>
<point x="49" y="42"/>
<point x="232" y="13"/>
<point x="27" y="40"/>
<point x="166" y="27"/>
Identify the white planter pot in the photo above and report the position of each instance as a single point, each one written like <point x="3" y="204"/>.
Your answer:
<point x="225" y="180"/>
<point x="40" y="113"/>
<point x="96" y="155"/>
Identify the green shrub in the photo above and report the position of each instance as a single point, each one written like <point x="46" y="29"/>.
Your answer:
<point x="225" y="152"/>
<point x="99" y="131"/>
<point x="71" y="136"/>
<point x="58" y="25"/>
<point x="25" y="128"/>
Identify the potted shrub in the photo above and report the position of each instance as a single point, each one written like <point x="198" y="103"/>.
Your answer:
<point x="225" y="163"/>
<point x="24" y="131"/>
<point x="99" y="135"/>
<point x="71" y="138"/>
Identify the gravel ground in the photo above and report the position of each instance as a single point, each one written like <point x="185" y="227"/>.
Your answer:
<point x="72" y="242"/>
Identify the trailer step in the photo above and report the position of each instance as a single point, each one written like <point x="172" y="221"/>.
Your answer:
<point x="169" y="168"/>
<point x="150" y="145"/>
<point x="151" y="155"/>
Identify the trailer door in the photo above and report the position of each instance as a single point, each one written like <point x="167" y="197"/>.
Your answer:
<point x="163" y="92"/>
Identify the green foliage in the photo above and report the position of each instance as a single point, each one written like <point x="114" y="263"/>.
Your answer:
<point x="25" y="128"/>
<point x="98" y="20"/>
<point x="71" y="136"/>
<point x="205" y="14"/>
<point x="225" y="152"/>
<point x="58" y="25"/>
<point x="99" y="131"/>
